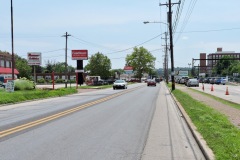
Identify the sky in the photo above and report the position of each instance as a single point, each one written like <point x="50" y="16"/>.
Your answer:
<point x="114" y="27"/>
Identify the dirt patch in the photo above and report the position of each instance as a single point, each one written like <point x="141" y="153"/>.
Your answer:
<point x="232" y="113"/>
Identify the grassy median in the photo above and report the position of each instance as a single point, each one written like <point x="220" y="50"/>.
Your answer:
<point x="19" y="96"/>
<point x="220" y="134"/>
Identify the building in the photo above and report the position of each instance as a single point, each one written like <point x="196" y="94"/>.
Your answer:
<point x="6" y="64"/>
<point x="212" y="59"/>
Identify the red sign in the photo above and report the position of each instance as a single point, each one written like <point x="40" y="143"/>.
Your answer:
<point x="34" y="58"/>
<point x="79" y="54"/>
<point x="127" y="68"/>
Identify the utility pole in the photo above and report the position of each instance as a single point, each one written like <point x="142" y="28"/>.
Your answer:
<point x="171" y="40"/>
<point x="66" y="77"/>
<point x="13" y="62"/>
<point x="166" y="58"/>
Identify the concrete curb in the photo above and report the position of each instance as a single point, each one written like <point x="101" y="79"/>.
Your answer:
<point x="207" y="152"/>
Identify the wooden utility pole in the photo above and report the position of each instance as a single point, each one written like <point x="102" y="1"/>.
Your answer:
<point x="66" y="71"/>
<point x="171" y="40"/>
<point x="13" y="62"/>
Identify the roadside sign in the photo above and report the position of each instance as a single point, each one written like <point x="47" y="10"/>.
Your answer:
<point x="79" y="71"/>
<point x="10" y="86"/>
<point x="79" y="54"/>
<point x="34" y="58"/>
<point x="128" y="69"/>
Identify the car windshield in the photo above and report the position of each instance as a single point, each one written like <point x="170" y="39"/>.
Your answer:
<point x="119" y="81"/>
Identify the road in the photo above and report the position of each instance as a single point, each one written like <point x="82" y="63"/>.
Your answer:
<point x="99" y="125"/>
<point x="220" y="91"/>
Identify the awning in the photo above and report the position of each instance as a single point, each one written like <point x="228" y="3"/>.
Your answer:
<point x="7" y="71"/>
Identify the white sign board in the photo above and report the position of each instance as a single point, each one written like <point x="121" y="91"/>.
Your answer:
<point x="34" y="58"/>
<point x="10" y="86"/>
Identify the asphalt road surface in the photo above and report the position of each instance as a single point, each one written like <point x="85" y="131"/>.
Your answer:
<point x="99" y="125"/>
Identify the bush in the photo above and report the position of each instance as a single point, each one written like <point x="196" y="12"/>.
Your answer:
<point x="41" y="80"/>
<point x="59" y="81"/>
<point x="24" y="84"/>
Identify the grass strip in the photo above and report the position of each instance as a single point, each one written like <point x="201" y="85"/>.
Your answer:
<point x="221" y="136"/>
<point x="19" y="96"/>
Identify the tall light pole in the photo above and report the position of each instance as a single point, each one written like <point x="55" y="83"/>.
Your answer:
<point x="13" y="63"/>
<point x="166" y="50"/>
<point x="66" y="70"/>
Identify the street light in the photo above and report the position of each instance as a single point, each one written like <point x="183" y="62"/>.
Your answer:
<point x="166" y="57"/>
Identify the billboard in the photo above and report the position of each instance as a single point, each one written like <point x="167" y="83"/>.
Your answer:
<point x="34" y="58"/>
<point x="79" y="54"/>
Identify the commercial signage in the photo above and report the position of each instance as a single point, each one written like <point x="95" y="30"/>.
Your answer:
<point x="34" y="58"/>
<point x="182" y="73"/>
<point x="79" y="54"/>
<point x="128" y="70"/>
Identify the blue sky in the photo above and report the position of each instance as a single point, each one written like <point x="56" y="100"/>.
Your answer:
<point x="110" y="26"/>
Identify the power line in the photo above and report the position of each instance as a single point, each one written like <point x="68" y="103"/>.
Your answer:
<point x="137" y="45"/>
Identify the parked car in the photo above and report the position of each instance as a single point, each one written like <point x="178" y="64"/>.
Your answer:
<point x="223" y="81"/>
<point x="200" y="80"/>
<point x="120" y="84"/>
<point x="217" y="81"/>
<point x="193" y="82"/>
<point x="211" y="81"/>
<point x="151" y="82"/>
<point x="206" y="80"/>
<point x="182" y="80"/>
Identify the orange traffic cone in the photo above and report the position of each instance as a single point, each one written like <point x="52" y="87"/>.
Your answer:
<point x="227" y="93"/>
<point x="203" y="87"/>
<point x="212" y="88"/>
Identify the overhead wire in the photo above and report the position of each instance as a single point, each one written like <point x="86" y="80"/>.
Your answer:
<point x="187" y="17"/>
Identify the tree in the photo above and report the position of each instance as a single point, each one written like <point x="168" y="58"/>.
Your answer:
<point x="22" y="66"/>
<point x="222" y="66"/>
<point x="141" y="60"/>
<point x="118" y="71"/>
<point x="99" y="65"/>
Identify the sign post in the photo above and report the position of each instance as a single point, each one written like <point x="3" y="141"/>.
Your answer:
<point x="34" y="59"/>
<point x="79" y="55"/>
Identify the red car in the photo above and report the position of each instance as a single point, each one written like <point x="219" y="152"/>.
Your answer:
<point x="151" y="83"/>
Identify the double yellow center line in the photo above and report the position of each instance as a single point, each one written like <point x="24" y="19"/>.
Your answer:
<point x="58" y="115"/>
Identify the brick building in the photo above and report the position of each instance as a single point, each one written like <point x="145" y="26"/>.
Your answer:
<point x="207" y="62"/>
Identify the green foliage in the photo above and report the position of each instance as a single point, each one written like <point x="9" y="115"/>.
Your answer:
<point x="224" y="66"/>
<point x="23" y="84"/>
<point x="220" y="134"/>
<point x="42" y="80"/>
<point x="22" y="66"/>
<point x="99" y="65"/>
<point x="141" y="60"/>
<point x="19" y="96"/>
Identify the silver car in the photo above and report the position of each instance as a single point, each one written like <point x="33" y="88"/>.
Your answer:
<point x="120" y="84"/>
<point x="193" y="82"/>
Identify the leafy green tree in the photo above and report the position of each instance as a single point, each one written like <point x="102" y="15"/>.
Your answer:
<point x="222" y="66"/>
<point x="23" y="68"/>
<point x="235" y="67"/>
<point x="141" y="60"/>
<point x="99" y="65"/>
<point x="114" y="71"/>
